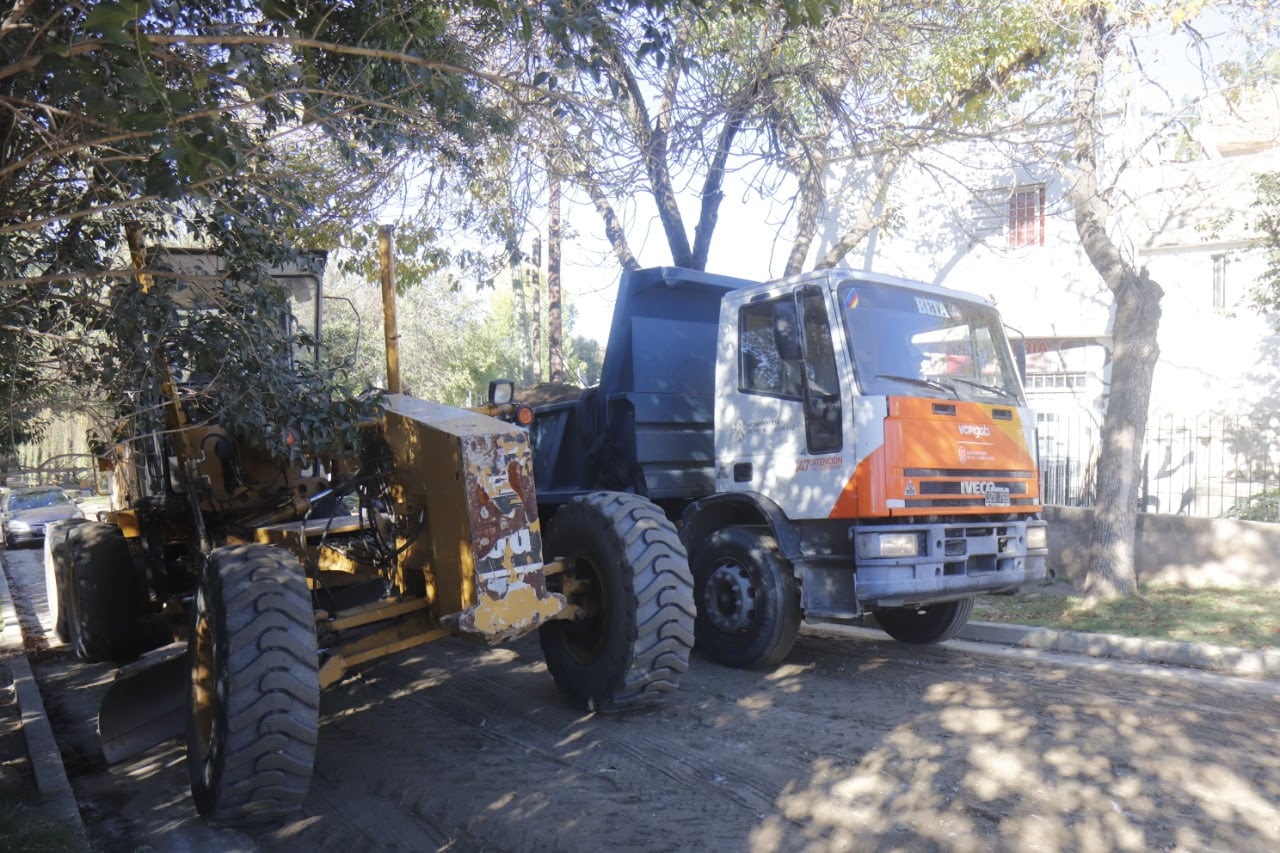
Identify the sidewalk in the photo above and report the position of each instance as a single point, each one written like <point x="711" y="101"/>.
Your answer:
<point x="1249" y="663"/>
<point x="57" y="800"/>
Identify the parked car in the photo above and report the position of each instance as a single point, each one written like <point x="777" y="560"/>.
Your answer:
<point x="24" y="513"/>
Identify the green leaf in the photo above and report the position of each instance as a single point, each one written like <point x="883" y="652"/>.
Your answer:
<point x="110" y="21"/>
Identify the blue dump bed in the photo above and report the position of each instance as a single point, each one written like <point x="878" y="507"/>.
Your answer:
<point x="648" y="427"/>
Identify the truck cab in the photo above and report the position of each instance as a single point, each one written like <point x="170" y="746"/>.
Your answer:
<point x="892" y="410"/>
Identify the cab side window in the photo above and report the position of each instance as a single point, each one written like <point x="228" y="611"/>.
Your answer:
<point x="760" y="367"/>
<point x="824" y="432"/>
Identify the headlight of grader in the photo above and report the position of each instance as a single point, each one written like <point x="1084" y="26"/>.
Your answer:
<point x="501" y="391"/>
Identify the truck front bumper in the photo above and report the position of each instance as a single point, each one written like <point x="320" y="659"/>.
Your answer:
<point x="954" y="560"/>
<point x="917" y="564"/>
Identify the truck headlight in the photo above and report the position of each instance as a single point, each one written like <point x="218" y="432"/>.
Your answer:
<point x="888" y="544"/>
<point x="1037" y="537"/>
<point x="19" y="526"/>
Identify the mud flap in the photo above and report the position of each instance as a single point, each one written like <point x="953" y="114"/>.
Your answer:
<point x="146" y="704"/>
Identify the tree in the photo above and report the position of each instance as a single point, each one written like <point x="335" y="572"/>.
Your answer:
<point x="241" y="127"/>
<point x="1267" y="222"/>
<point x="185" y="122"/>
<point x="1103" y="41"/>
<point x="1111" y="571"/>
<point x="758" y="100"/>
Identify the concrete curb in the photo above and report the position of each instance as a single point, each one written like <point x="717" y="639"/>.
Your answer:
<point x="1222" y="659"/>
<point x="46" y="761"/>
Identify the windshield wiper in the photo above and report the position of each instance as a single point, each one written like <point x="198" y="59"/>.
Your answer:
<point x="925" y="383"/>
<point x="994" y="389"/>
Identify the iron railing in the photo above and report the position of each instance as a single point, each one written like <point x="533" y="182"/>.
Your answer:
<point x="1207" y="465"/>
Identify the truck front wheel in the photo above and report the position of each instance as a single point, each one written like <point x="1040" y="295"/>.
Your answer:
<point x="748" y="603"/>
<point x="626" y="572"/>
<point x="254" y="698"/>
<point x="932" y="623"/>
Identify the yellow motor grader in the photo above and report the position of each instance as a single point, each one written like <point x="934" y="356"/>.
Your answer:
<point x="246" y="585"/>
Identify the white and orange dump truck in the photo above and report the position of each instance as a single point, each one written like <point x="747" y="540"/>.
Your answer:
<point x="833" y="445"/>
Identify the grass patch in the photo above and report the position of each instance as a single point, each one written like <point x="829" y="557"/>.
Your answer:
<point x="1246" y="618"/>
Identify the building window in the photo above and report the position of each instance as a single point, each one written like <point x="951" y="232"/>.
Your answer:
<point x="1220" y="282"/>
<point x="1056" y="382"/>
<point x="1026" y="216"/>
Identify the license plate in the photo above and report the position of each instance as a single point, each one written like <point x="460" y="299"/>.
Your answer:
<point x="997" y="497"/>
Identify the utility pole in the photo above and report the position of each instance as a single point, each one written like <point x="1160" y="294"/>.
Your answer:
<point x="386" y="260"/>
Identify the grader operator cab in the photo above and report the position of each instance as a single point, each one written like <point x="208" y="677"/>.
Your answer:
<point x="272" y="580"/>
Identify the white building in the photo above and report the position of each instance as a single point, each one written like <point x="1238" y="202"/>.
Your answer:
<point x="992" y="218"/>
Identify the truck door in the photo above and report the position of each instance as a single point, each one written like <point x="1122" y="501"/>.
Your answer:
<point x="782" y="419"/>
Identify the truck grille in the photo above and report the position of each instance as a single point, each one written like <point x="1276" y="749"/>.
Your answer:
<point x="933" y="488"/>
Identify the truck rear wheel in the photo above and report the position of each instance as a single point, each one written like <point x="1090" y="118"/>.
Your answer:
<point x="56" y="561"/>
<point x="104" y="595"/>
<point x="932" y="623"/>
<point x="748" y="603"/>
<point x="253" y="703"/>
<point x="626" y="569"/>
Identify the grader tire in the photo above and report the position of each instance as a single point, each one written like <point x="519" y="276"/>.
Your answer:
<point x="253" y="702"/>
<point x="933" y="623"/>
<point x="105" y="596"/>
<point x="56" y="561"/>
<point x="627" y="570"/>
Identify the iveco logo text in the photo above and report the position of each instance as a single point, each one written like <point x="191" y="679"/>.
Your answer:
<point x="975" y="430"/>
<point x="976" y="487"/>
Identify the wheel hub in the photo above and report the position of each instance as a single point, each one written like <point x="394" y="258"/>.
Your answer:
<point x="729" y="598"/>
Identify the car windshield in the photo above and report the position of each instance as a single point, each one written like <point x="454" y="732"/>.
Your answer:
<point x="921" y="343"/>
<point x="37" y="500"/>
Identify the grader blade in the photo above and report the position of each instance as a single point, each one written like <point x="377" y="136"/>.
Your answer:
<point x="146" y="704"/>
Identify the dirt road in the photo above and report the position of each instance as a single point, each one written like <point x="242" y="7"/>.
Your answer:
<point x="854" y="743"/>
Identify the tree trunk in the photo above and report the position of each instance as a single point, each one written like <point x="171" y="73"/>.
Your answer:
<point x="807" y="212"/>
<point x="519" y="308"/>
<point x="555" y="325"/>
<point x="1136" y="305"/>
<point x="1112" y="571"/>
<point x="613" y="227"/>
<point x="871" y="212"/>
<point x="535" y="308"/>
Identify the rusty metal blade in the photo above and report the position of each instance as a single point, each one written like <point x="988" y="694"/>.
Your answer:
<point x="146" y="704"/>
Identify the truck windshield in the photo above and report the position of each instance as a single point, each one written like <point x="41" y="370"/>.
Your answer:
<point x="921" y="343"/>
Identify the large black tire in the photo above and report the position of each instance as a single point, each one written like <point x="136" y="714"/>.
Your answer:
<point x="933" y="623"/>
<point x="253" y="702"/>
<point x="626" y="568"/>
<point x="748" y="601"/>
<point x="56" y="583"/>
<point x="105" y="595"/>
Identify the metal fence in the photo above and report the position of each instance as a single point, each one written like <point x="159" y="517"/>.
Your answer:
<point x="1208" y="465"/>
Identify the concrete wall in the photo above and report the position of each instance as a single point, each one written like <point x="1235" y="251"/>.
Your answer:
<point x="1175" y="549"/>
